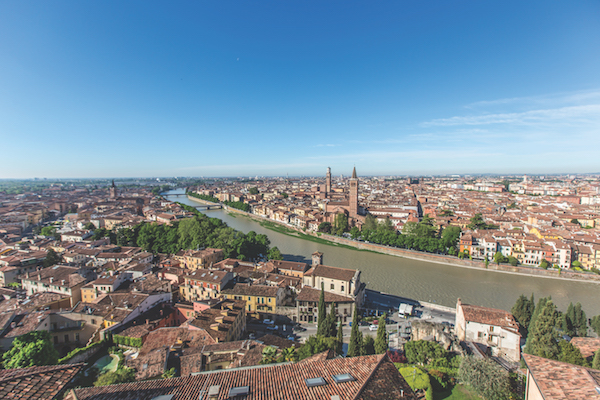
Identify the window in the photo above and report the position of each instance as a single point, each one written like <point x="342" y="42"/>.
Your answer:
<point x="269" y="300"/>
<point x="342" y="289"/>
<point x="77" y="337"/>
<point x="66" y="338"/>
<point x="479" y="335"/>
<point x="55" y="339"/>
<point x="93" y="321"/>
<point x="332" y="286"/>
<point x="491" y="329"/>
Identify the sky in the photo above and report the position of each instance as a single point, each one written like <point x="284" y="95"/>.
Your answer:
<point x="271" y="88"/>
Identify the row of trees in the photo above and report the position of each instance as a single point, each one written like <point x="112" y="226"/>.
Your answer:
<point x="199" y="231"/>
<point x="240" y="205"/>
<point x="545" y="328"/>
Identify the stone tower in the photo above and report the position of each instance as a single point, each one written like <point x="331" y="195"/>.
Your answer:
<point x="353" y="194"/>
<point x="328" y="182"/>
<point x="113" y="190"/>
<point x="317" y="258"/>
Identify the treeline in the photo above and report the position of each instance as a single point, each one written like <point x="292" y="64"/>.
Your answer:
<point x="197" y="232"/>
<point x="240" y="205"/>
<point x="420" y="236"/>
<point x="547" y="328"/>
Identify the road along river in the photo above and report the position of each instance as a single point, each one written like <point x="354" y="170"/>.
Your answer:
<point x="421" y="280"/>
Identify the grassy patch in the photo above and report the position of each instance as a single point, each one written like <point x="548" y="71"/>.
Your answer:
<point x="458" y="392"/>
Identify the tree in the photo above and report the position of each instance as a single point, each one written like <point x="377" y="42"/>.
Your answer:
<point x="522" y="311"/>
<point x="322" y="313"/>
<point x="596" y="361"/>
<point x="31" y="349"/>
<point x="513" y="261"/>
<point x="51" y="258"/>
<point x="274" y="254"/>
<point x="354" y="232"/>
<point x="121" y="375"/>
<point x="253" y="190"/>
<point x="544" y="264"/>
<point x="268" y="355"/>
<point x="329" y="326"/>
<point x="423" y="352"/>
<point x="368" y="346"/>
<point x="595" y="324"/>
<point x="341" y="223"/>
<point x="89" y="226"/>
<point x="571" y="354"/>
<point x="288" y="354"/>
<point x="370" y="223"/>
<point x="355" y="339"/>
<point x="580" y="321"/>
<point x="543" y="337"/>
<point x="488" y="379"/>
<point x="477" y="222"/>
<point x="381" y="342"/>
<point x="575" y="221"/>
<point x="324" y="227"/>
<point x="499" y="258"/>
<point x="339" y="349"/>
<point x="316" y="344"/>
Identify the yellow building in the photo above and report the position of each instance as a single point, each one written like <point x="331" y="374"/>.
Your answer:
<point x="259" y="298"/>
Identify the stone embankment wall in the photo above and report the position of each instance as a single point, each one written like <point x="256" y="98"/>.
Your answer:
<point x="436" y="258"/>
<point x="85" y="355"/>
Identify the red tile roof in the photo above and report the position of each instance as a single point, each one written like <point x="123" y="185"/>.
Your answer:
<point x="375" y="378"/>
<point x="36" y="382"/>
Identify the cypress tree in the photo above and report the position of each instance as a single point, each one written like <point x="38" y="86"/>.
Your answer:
<point x="368" y="346"/>
<point x="580" y="321"/>
<point x="322" y="313"/>
<point x="522" y="311"/>
<point x="381" y="343"/>
<point x="543" y="337"/>
<point x="354" y="347"/>
<point x="596" y="362"/>
<point x="340" y="339"/>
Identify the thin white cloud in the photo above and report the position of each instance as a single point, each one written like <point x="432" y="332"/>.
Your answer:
<point x="573" y="116"/>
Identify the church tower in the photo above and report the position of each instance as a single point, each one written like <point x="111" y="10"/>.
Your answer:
<point x="353" y="194"/>
<point x="328" y="182"/>
<point x="113" y="190"/>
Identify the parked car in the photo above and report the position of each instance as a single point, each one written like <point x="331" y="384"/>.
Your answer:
<point x="273" y="328"/>
<point x="373" y="327"/>
<point x="268" y="322"/>
<point x="299" y="328"/>
<point x="252" y="336"/>
<point x="291" y="337"/>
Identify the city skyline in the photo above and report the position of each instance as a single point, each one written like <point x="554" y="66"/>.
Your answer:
<point x="220" y="90"/>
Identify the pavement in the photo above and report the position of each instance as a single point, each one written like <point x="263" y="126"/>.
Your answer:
<point x="376" y="303"/>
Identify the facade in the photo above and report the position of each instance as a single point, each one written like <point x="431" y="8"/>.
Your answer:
<point x="307" y="304"/>
<point x="59" y="279"/>
<point x="204" y="284"/>
<point x="259" y="298"/>
<point x="494" y="328"/>
<point x="193" y="260"/>
<point x="340" y="281"/>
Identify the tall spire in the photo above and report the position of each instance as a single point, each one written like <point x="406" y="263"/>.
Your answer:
<point x="354" y="173"/>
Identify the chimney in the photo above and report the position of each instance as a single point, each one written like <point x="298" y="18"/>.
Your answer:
<point x="39" y="277"/>
<point x="147" y="322"/>
<point x="51" y="279"/>
<point x="62" y="282"/>
<point x="27" y="275"/>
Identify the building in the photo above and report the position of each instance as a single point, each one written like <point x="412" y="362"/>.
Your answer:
<point x="496" y="329"/>
<point x="59" y="279"/>
<point x="204" y="284"/>
<point x="362" y="378"/>
<point x="224" y="321"/>
<point x="341" y="281"/>
<point x="192" y="259"/>
<point x="307" y="304"/>
<point x="33" y="383"/>
<point x="259" y="298"/>
<point x="555" y="380"/>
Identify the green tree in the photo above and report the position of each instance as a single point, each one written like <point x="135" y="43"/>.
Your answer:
<point x="488" y="379"/>
<point x="51" y="258"/>
<point x="580" y="321"/>
<point x="89" y="226"/>
<point x="522" y="311"/>
<point x="329" y="326"/>
<point x="324" y="227"/>
<point x="253" y="190"/>
<point x="595" y="324"/>
<point x="370" y="223"/>
<point x="368" y="346"/>
<point x="274" y="254"/>
<point x="268" y="355"/>
<point x="339" y="349"/>
<point x="596" y="361"/>
<point x="31" y="349"/>
<point x="499" y="258"/>
<point x="423" y="352"/>
<point x="48" y="231"/>
<point x="381" y="341"/>
<point x="316" y="344"/>
<point x="513" y="261"/>
<point x="341" y="223"/>
<point x="544" y="264"/>
<point x="355" y="338"/>
<point x="543" y="338"/>
<point x="288" y="355"/>
<point x="322" y="312"/>
<point x="477" y="222"/>
<point x="121" y="375"/>
<point x="354" y="232"/>
<point x="571" y="354"/>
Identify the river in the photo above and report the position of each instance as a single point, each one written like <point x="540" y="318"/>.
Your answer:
<point x="421" y="280"/>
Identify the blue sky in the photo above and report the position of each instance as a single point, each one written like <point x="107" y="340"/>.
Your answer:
<point x="245" y="88"/>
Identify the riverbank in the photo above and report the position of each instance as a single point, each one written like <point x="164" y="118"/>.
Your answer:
<point x="337" y="241"/>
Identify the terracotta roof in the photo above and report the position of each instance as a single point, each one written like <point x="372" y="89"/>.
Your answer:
<point x="36" y="382"/>
<point x="310" y="294"/>
<point x="587" y="345"/>
<point x="375" y="378"/>
<point x="343" y="274"/>
<point x="252" y="290"/>
<point x="558" y="380"/>
<point x="490" y="316"/>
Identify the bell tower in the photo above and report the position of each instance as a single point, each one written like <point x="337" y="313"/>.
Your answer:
<point x="328" y="182"/>
<point x="353" y="194"/>
<point x="113" y="190"/>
